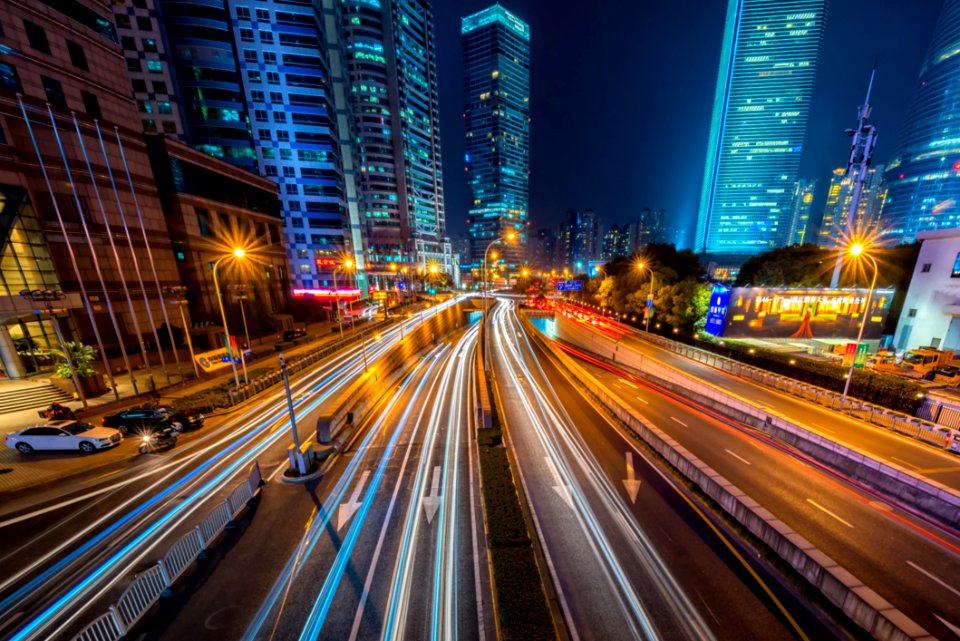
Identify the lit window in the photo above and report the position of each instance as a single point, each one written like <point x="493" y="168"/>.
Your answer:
<point x="154" y="66"/>
<point x="163" y="107"/>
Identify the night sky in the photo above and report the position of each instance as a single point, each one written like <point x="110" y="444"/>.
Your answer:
<point x="622" y="94"/>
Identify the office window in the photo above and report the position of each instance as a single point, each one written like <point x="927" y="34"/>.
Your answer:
<point x="128" y="43"/>
<point x="256" y="95"/>
<point x="317" y="239"/>
<point x="289" y="172"/>
<point x="159" y="86"/>
<point x="37" y="37"/>
<point x="169" y="127"/>
<point x="283" y="135"/>
<point x="304" y="269"/>
<point x="203" y="222"/>
<point x="164" y="107"/>
<point x="91" y="105"/>
<point x="263" y="134"/>
<point x="279" y="116"/>
<point x="77" y="56"/>
<point x="270" y="57"/>
<point x="250" y="55"/>
<point x="243" y="13"/>
<point x="291" y="189"/>
<point x="296" y="222"/>
<point x="123" y="21"/>
<point x="303" y="254"/>
<point x="246" y="35"/>
<point x="9" y="79"/>
<point x="912" y="313"/>
<point x="270" y="170"/>
<point x="300" y="238"/>
<point x="260" y="115"/>
<point x="253" y="75"/>
<point x="154" y="66"/>
<point x="133" y="64"/>
<point x="926" y="267"/>
<point x="294" y="205"/>
<point x="268" y="154"/>
<point x="263" y="14"/>
<point x="286" y="154"/>
<point x="266" y="37"/>
<point x="139" y="86"/>
<point x="150" y="125"/>
<point x="145" y="106"/>
<point x="273" y="78"/>
<point x="144" y="23"/>
<point x="276" y="96"/>
<point x="150" y="45"/>
<point x="54" y="91"/>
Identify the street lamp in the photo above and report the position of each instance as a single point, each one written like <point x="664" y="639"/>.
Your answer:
<point x="510" y="236"/>
<point x="237" y="253"/>
<point x="179" y="291"/>
<point x="641" y="267"/>
<point x="856" y="250"/>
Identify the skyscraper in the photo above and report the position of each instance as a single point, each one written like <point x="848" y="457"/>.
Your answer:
<point x="802" y="205"/>
<point x="496" y="62"/>
<point x="392" y="62"/>
<point x="833" y="228"/>
<point x="923" y="177"/>
<point x="768" y="63"/>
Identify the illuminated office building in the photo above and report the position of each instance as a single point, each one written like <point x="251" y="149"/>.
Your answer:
<point x="802" y="205"/>
<point x="496" y="60"/>
<point x="923" y="177"/>
<point x="833" y="228"/>
<point x="768" y="63"/>
<point x="392" y="64"/>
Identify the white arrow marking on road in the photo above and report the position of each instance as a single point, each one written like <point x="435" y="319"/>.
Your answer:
<point x="631" y="483"/>
<point x="348" y="509"/>
<point x="431" y="502"/>
<point x="560" y="487"/>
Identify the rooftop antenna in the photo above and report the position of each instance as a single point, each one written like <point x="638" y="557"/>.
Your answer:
<point x="864" y="139"/>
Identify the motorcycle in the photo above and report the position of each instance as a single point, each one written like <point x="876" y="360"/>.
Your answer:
<point x="57" y="412"/>
<point x="162" y="439"/>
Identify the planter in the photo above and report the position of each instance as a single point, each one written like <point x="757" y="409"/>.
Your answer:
<point x="92" y="386"/>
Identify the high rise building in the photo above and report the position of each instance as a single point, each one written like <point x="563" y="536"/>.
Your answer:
<point x="768" y="64"/>
<point x="260" y="84"/>
<point x="651" y="227"/>
<point x="393" y="76"/>
<point x="923" y="176"/>
<point x="496" y="65"/>
<point x="543" y="249"/>
<point x="833" y="227"/>
<point x="802" y="205"/>
<point x="586" y="241"/>
<point x="616" y="242"/>
<point x="566" y="236"/>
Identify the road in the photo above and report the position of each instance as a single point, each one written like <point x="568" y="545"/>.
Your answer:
<point x="907" y="561"/>
<point x="631" y="556"/>
<point x="864" y="437"/>
<point x="64" y="555"/>
<point x="383" y="547"/>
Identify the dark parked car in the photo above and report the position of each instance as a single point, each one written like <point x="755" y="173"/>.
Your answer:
<point x="293" y="334"/>
<point x="139" y="419"/>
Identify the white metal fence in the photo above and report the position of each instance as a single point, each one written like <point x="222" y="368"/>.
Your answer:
<point x="147" y="587"/>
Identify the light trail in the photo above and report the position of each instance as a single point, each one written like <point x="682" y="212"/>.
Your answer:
<point x="555" y="431"/>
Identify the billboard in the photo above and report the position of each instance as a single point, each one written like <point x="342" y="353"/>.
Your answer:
<point x="803" y="313"/>
<point x="717" y="312"/>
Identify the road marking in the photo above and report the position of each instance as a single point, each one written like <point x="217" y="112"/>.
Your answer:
<point x="275" y="472"/>
<point x="822" y="428"/>
<point x="828" y="512"/>
<point x="937" y="470"/>
<point x="902" y="462"/>
<point x="431" y="502"/>
<point x="631" y="483"/>
<point x="617" y="386"/>
<point x="674" y="418"/>
<point x="740" y="458"/>
<point x="934" y="577"/>
<point x="628" y="383"/>
<point x="949" y="625"/>
<point x="350" y="508"/>
<point x="560" y="487"/>
<point x="643" y="400"/>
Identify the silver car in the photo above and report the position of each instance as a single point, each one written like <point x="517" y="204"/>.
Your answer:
<point x="64" y="435"/>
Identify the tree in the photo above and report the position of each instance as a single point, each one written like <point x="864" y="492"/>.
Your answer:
<point x="81" y="355"/>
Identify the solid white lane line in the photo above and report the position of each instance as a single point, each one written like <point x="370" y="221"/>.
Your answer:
<point x="828" y="512"/>
<point x="643" y="400"/>
<point x="674" y="418"/>
<point x="628" y="383"/>
<point x="739" y="458"/>
<point x="934" y="577"/>
<point x="902" y="462"/>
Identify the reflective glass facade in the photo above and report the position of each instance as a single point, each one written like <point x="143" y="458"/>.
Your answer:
<point x="768" y="63"/>
<point x="496" y="59"/>
<point x="923" y="177"/>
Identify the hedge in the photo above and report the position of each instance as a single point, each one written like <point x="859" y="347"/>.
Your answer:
<point x="211" y="398"/>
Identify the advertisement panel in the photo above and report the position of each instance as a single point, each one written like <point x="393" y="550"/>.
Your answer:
<point x="717" y="312"/>
<point x="804" y="313"/>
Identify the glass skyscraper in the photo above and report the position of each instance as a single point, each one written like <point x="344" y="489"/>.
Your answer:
<point x="496" y="61"/>
<point x="392" y="63"/>
<point x="768" y="63"/>
<point x="923" y="177"/>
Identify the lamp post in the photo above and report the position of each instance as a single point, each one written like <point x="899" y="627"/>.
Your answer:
<point x="641" y="267"/>
<point x="509" y="236"/>
<point x="47" y="296"/>
<point x="347" y="264"/>
<point x="296" y="460"/>
<point x="179" y="291"/>
<point x="856" y="250"/>
<point x="236" y="253"/>
<point x="240" y="290"/>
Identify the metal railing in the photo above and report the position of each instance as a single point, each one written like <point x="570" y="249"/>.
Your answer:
<point x="147" y="587"/>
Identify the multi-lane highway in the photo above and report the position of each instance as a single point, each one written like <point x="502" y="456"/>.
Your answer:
<point x="64" y="555"/>
<point x="631" y="555"/>
<point x="908" y="561"/>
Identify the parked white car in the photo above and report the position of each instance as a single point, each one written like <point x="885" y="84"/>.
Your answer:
<point x="64" y="435"/>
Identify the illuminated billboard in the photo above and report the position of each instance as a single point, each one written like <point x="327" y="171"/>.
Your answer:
<point x="772" y="312"/>
<point x="717" y="312"/>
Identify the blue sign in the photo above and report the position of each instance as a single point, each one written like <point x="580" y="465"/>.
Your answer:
<point x="569" y="285"/>
<point x="717" y="313"/>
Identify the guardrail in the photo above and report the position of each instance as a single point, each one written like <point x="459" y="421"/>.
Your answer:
<point x="916" y="427"/>
<point x="146" y="588"/>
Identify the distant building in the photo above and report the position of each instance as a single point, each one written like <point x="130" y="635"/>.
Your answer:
<point x="768" y="64"/>
<point x="833" y="228"/>
<point x="651" y="227"/>
<point x="931" y="309"/>
<point x="543" y="249"/>
<point x="616" y="242"/>
<point x="800" y="224"/>
<point x="566" y="240"/>
<point x="586" y="241"/>
<point x="496" y="77"/>
<point x="923" y="176"/>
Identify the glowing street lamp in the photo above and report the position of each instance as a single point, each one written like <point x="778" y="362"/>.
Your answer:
<point x="641" y="267"/>
<point x="856" y="250"/>
<point x="238" y="253"/>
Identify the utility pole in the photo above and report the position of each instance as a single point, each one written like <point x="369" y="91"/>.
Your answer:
<point x="864" y="139"/>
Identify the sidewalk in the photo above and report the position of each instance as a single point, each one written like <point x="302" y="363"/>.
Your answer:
<point x="18" y="472"/>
